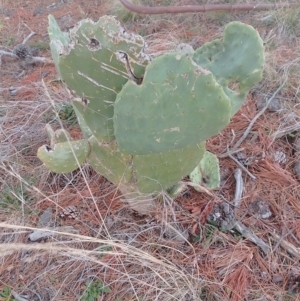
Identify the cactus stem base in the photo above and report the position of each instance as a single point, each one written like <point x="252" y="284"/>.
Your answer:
<point x="137" y="201"/>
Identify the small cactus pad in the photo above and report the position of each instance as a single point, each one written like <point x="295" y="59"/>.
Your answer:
<point x="60" y="158"/>
<point x="107" y="160"/>
<point x="60" y="135"/>
<point x="178" y="104"/>
<point x="207" y="173"/>
<point x="157" y="172"/>
<point x="58" y="39"/>
<point x="236" y="61"/>
<point x="97" y="62"/>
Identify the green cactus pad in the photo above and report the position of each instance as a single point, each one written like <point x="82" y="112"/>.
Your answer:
<point x="207" y="173"/>
<point x="236" y="61"/>
<point x="58" y="39"/>
<point x="60" y="135"/>
<point x="107" y="160"/>
<point x="157" y="172"/>
<point x="98" y="61"/>
<point x="87" y="133"/>
<point x="178" y="104"/>
<point x="60" y="158"/>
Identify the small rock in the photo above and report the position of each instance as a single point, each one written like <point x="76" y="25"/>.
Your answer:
<point x="37" y="235"/>
<point x="45" y="219"/>
<point x="260" y="209"/>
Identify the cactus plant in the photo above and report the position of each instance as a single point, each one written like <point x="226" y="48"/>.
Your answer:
<point x="236" y="61"/>
<point x="178" y="97"/>
<point x="63" y="155"/>
<point x="144" y="120"/>
<point x="207" y="172"/>
<point x="95" y="64"/>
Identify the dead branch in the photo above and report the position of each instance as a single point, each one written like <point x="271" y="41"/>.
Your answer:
<point x="202" y="8"/>
<point x="248" y="234"/>
<point x="290" y="248"/>
<point x="231" y="152"/>
<point x="32" y="60"/>
<point x="241" y="166"/>
<point x="247" y="131"/>
<point x="11" y="54"/>
<point x="238" y="188"/>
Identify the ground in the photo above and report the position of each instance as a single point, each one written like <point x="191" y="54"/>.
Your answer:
<point x="101" y="249"/>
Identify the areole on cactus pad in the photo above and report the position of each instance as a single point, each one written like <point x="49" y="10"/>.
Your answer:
<point x="145" y="120"/>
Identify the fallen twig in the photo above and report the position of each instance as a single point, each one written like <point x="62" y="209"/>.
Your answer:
<point x="241" y="166"/>
<point x="32" y="33"/>
<point x="247" y="233"/>
<point x="30" y="58"/>
<point x="285" y="131"/>
<point x="291" y="249"/>
<point x="202" y="8"/>
<point x="28" y="37"/>
<point x="34" y="59"/>
<point x="18" y="297"/>
<point x="231" y="152"/>
<point x="7" y="53"/>
<point x="238" y="187"/>
<point x="240" y="141"/>
<point x="239" y="226"/>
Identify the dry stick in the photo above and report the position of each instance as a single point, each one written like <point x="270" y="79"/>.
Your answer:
<point x="34" y="59"/>
<point x="18" y="297"/>
<point x="201" y="8"/>
<point x="239" y="226"/>
<point x="239" y="142"/>
<point x="32" y="33"/>
<point x="289" y="129"/>
<point x="231" y="152"/>
<point x="238" y="188"/>
<point x="247" y="233"/>
<point x="2" y="52"/>
<point x="28" y="37"/>
<point x="291" y="249"/>
<point x="241" y="166"/>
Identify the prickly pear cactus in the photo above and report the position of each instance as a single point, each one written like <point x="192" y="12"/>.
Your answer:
<point x="207" y="172"/>
<point x="97" y="61"/>
<point x="63" y="155"/>
<point x="236" y="61"/>
<point x="145" y="121"/>
<point x="179" y="97"/>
